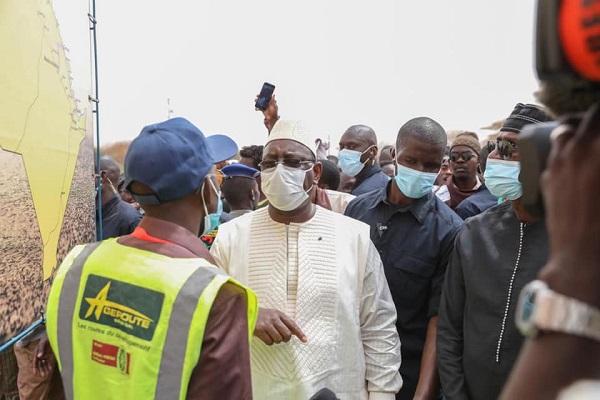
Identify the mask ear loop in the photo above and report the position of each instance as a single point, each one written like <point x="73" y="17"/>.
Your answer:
<point x="372" y="159"/>
<point x="314" y="182"/>
<point x="114" y="190"/>
<point x="201" y="192"/>
<point x="212" y="185"/>
<point x="217" y="192"/>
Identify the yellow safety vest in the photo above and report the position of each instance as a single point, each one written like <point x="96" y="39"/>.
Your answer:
<point x="128" y="324"/>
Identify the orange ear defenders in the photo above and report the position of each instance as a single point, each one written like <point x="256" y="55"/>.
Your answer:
<point x="568" y="38"/>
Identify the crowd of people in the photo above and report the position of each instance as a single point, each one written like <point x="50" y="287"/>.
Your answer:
<point x="280" y="271"/>
<point x="377" y="274"/>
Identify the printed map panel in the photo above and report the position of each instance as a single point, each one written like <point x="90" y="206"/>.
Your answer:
<point x="46" y="150"/>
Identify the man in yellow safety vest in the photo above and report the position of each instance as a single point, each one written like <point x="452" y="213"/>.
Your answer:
<point x="147" y="315"/>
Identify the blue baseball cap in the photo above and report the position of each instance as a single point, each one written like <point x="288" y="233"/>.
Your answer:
<point x="172" y="158"/>
<point x="235" y="170"/>
<point x="223" y="147"/>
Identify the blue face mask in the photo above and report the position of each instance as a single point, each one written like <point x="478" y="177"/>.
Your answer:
<point x="212" y="220"/>
<point x="414" y="184"/>
<point x="349" y="161"/>
<point x="502" y="178"/>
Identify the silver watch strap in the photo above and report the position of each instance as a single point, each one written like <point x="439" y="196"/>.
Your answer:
<point x="557" y="312"/>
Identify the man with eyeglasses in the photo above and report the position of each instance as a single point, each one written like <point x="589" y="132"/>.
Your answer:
<point x="326" y="316"/>
<point x="466" y="180"/>
<point x="496" y="253"/>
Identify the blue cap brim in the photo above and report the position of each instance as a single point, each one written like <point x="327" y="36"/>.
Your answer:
<point x="222" y="147"/>
<point x="239" y="170"/>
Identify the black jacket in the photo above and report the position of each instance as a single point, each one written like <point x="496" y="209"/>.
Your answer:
<point x="494" y="256"/>
<point x="476" y="203"/>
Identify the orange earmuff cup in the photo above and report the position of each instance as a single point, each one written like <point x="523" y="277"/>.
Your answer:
<point x="579" y="33"/>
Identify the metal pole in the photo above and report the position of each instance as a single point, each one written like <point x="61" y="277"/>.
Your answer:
<point x="169" y="110"/>
<point x="22" y="334"/>
<point x="96" y="110"/>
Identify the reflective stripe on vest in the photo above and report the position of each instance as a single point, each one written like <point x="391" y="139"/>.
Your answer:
<point x="173" y="354"/>
<point x="66" y="306"/>
<point x="169" y="379"/>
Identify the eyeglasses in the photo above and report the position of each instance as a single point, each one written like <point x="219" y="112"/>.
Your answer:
<point x="505" y="148"/>
<point x="465" y="155"/>
<point x="287" y="162"/>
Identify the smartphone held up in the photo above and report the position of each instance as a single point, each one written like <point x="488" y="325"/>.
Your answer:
<point x="264" y="97"/>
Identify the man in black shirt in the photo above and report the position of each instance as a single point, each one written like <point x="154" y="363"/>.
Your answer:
<point x="357" y="158"/>
<point x="414" y="232"/>
<point x="497" y="253"/>
<point x="118" y="217"/>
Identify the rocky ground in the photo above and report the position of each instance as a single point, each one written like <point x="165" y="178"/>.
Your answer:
<point x="23" y="293"/>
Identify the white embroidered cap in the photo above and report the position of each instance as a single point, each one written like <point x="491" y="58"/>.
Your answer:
<point x="292" y="130"/>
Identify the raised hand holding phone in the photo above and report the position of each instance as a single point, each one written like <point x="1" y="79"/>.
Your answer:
<point x="271" y="110"/>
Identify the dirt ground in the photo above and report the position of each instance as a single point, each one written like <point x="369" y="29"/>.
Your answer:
<point x="23" y="293"/>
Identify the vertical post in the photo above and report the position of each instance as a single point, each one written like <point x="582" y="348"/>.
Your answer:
<point x="96" y="111"/>
<point x="169" y="110"/>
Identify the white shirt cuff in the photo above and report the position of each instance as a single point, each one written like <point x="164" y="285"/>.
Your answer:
<point x="381" y="396"/>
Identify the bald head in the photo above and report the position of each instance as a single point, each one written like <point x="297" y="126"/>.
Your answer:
<point x="359" y="138"/>
<point x="385" y="155"/>
<point x="108" y="164"/>
<point x="425" y="130"/>
<point x="362" y="132"/>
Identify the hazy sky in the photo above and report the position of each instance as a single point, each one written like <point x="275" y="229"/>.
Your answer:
<point x="335" y="63"/>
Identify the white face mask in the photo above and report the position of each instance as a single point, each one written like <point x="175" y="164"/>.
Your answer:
<point x="284" y="187"/>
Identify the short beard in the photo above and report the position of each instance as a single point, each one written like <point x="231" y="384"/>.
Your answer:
<point x="567" y="94"/>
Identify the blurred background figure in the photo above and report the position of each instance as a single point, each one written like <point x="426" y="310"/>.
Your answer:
<point x="446" y="171"/>
<point x="329" y="182"/>
<point x="322" y="149"/>
<point x="385" y="155"/>
<point x="333" y="159"/>
<point x="240" y="189"/>
<point x="467" y="179"/>
<point x="223" y="149"/>
<point x="358" y="152"/>
<point x="480" y="201"/>
<point x="251" y="156"/>
<point x="439" y="188"/>
<point x="118" y="217"/>
<point x="330" y="178"/>
<point x="386" y="161"/>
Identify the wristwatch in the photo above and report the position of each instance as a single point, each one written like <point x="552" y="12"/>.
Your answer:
<point x="541" y="309"/>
